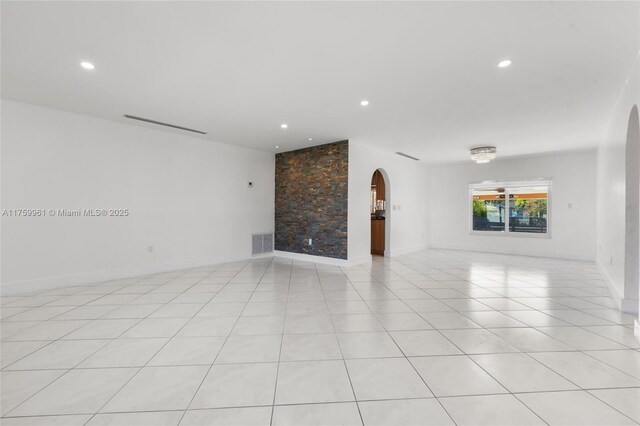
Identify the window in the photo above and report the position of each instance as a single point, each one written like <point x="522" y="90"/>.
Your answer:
<point x="510" y="208"/>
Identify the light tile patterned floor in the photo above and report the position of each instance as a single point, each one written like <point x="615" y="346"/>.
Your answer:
<point x="436" y="337"/>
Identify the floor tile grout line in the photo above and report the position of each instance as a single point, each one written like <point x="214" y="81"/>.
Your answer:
<point x="310" y="403"/>
<point x="422" y="378"/>
<point x="286" y="308"/>
<point x="508" y="298"/>
<point x="468" y="356"/>
<point x="149" y="359"/>
<point x="89" y="321"/>
<point x="225" y="341"/>
<point x="68" y="369"/>
<point x="525" y="353"/>
<point x="536" y="328"/>
<point x="531" y="409"/>
<point x="344" y="361"/>
<point x="569" y="308"/>
<point x="590" y="392"/>
<point x="586" y="352"/>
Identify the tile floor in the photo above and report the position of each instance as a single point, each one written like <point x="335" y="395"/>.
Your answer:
<point x="436" y="337"/>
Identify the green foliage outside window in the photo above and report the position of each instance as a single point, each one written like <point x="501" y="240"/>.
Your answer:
<point x="479" y="208"/>
<point x="534" y="208"/>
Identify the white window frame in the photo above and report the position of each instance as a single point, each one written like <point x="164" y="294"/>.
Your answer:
<point x="507" y="185"/>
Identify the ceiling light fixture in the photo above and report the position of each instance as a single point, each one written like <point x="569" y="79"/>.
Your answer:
<point x="483" y="154"/>
<point x="87" y="65"/>
<point x="310" y="139"/>
<point x="364" y="102"/>
<point x="277" y="146"/>
<point x="504" y="64"/>
<point x="284" y="125"/>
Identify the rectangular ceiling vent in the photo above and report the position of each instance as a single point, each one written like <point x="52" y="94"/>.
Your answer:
<point x="261" y="243"/>
<point x="408" y="156"/>
<point x="160" y="123"/>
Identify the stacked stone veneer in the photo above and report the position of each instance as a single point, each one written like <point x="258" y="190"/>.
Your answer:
<point x="311" y="200"/>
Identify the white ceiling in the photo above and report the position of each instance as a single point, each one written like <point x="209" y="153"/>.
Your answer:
<point x="239" y="70"/>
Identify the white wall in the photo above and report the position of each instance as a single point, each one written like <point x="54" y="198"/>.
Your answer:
<point x="611" y="189"/>
<point x="407" y="183"/>
<point x="188" y="198"/>
<point x="572" y="229"/>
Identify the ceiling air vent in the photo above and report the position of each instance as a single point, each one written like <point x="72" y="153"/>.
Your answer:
<point x="160" y="123"/>
<point x="408" y="156"/>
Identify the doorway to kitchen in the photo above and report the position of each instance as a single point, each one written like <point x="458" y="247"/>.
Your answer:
<point x="378" y="209"/>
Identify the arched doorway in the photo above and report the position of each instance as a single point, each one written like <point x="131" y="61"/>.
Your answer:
<point x="632" y="215"/>
<point x="379" y="213"/>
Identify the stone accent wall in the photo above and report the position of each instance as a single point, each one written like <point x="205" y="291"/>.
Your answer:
<point x="311" y="200"/>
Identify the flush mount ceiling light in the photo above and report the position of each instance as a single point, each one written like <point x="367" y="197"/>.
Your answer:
<point x="483" y="154"/>
<point x="310" y="139"/>
<point x="504" y="64"/>
<point x="277" y="146"/>
<point x="284" y="125"/>
<point x="364" y="102"/>
<point x="87" y="65"/>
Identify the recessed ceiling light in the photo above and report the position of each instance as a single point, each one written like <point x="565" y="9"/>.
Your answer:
<point x="504" y="64"/>
<point x="277" y="146"/>
<point x="364" y="102"/>
<point x="87" y="65"/>
<point x="310" y="139"/>
<point x="284" y="125"/>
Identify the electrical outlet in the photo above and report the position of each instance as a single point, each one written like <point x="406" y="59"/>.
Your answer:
<point x="150" y="249"/>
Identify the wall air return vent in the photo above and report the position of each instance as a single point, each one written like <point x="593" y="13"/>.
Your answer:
<point x="261" y="243"/>
<point x="408" y="156"/>
<point x="160" y="123"/>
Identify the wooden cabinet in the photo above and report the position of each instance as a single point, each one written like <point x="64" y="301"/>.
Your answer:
<point x="377" y="184"/>
<point x="377" y="225"/>
<point x="377" y="236"/>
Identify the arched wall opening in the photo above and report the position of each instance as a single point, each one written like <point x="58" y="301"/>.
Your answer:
<point x="380" y="209"/>
<point x="632" y="215"/>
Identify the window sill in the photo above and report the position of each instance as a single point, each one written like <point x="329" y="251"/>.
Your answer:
<point x="546" y="235"/>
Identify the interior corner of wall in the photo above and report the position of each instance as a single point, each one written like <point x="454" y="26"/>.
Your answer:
<point x="629" y="306"/>
<point x="617" y="298"/>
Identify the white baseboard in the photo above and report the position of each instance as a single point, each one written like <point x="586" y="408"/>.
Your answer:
<point x="262" y="255"/>
<point x="629" y="306"/>
<point x="617" y="298"/>
<point x="406" y="250"/>
<point x="88" y="278"/>
<point x="543" y="255"/>
<point x="364" y="260"/>
<point x="321" y="259"/>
